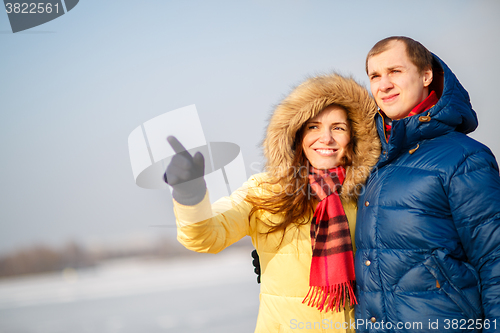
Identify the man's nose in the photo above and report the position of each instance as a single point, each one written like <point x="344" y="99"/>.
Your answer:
<point x="385" y="83"/>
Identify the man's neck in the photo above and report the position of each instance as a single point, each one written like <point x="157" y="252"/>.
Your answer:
<point x="423" y="106"/>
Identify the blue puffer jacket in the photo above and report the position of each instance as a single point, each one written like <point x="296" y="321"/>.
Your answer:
<point x="428" y="230"/>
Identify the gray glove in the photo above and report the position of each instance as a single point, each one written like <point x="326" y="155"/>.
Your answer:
<point x="185" y="175"/>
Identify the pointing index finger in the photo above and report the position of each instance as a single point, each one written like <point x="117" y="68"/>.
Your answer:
<point x="175" y="144"/>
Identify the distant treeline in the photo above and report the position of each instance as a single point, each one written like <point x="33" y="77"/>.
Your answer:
<point x="43" y="258"/>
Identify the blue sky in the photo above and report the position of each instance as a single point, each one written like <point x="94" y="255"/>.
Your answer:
<point x="73" y="89"/>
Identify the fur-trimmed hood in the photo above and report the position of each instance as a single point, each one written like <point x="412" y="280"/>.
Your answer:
<point x="308" y="100"/>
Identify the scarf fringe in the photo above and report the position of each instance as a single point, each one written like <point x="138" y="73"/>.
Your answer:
<point x="334" y="296"/>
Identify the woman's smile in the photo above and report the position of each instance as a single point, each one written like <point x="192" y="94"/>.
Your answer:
<point x="326" y="151"/>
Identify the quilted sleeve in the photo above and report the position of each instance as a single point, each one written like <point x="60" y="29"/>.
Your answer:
<point x="474" y="197"/>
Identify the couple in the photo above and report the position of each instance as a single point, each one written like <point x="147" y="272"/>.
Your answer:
<point x="421" y="196"/>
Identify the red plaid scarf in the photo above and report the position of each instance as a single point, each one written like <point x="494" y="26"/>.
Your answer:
<point x="331" y="277"/>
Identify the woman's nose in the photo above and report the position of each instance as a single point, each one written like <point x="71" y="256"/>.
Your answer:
<point x="326" y="137"/>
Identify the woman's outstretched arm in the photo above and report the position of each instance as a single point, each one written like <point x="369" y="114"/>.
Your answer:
<point x="203" y="227"/>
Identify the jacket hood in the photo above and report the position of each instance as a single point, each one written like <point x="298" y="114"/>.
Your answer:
<point x="452" y="112"/>
<point x="453" y="108"/>
<point x="308" y="100"/>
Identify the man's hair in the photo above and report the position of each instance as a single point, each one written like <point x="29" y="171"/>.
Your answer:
<point x="417" y="53"/>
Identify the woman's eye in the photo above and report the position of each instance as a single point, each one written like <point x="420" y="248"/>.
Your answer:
<point x="338" y="128"/>
<point x="312" y="127"/>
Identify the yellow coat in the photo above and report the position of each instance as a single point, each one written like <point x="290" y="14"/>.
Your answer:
<point x="285" y="270"/>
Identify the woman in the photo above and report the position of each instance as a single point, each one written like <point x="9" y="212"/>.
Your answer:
<point x="321" y="140"/>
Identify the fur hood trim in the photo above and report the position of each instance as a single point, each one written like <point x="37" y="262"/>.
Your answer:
<point x="308" y="100"/>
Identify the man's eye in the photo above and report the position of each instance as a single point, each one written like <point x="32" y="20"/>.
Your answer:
<point x="373" y="77"/>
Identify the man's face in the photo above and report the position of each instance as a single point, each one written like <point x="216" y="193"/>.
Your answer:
<point x="395" y="81"/>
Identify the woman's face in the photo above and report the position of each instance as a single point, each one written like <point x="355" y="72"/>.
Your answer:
<point x="326" y="137"/>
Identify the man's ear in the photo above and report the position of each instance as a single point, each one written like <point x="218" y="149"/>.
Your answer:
<point x="427" y="77"/>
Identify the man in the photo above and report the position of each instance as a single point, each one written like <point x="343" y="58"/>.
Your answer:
<point x="428" y="223"/>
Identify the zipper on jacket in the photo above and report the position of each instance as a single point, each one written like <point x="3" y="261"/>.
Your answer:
<point x="411" y="151"/>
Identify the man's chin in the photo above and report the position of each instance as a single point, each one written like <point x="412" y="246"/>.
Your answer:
<point x="392" y="114"/>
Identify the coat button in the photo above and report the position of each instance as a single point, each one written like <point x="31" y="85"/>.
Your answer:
<point x="368" y="263"/>
<point x="367" y="204"/>
<point x="373" y="319"/>
<point x="424" y="119"/>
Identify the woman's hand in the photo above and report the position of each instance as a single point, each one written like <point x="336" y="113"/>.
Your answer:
<point x="256" y="264"/>
<point x="185" y="174"/>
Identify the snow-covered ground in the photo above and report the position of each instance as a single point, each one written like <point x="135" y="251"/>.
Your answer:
<point x="206" y="293"/>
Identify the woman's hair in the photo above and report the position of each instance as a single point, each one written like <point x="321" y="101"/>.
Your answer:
<point x="289" y="194"/>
